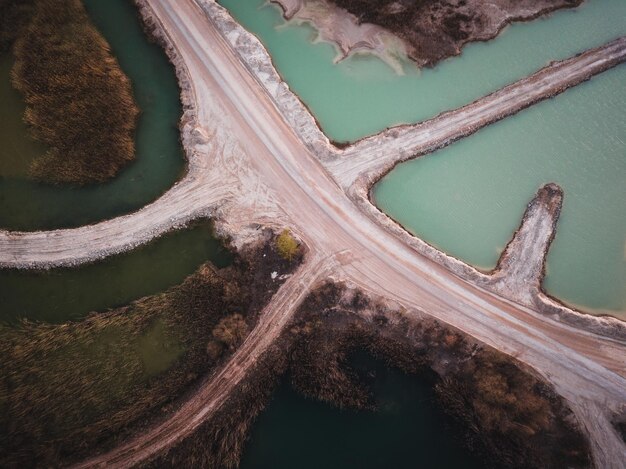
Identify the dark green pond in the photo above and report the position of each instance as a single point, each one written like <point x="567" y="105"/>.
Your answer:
<point x="408" y="431"/>
<point x="61" y="295"/>
<point x="27" y="205"/>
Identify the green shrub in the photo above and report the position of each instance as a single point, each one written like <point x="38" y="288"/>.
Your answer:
<point x="287" y="245"/>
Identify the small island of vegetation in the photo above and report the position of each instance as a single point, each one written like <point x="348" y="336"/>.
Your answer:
<point x="79" y="102"/>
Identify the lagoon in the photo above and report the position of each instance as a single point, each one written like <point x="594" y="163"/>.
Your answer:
<point x="468" y="199"/>
<point x="408" y="429"/>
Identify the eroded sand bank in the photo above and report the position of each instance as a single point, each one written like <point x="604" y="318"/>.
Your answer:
<point x="426" y="31"/>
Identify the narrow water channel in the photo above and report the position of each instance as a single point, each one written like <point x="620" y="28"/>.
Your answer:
<point x="28" y="205"/>
<point x="468" y="198"/>
<point x="66" y="294"/>
<point x="408" y="430"/>
<point x="362" y="95"/>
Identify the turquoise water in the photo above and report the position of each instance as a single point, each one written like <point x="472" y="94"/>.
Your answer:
<point x="409" y="430"/>
<point x="362" y="95"/>
<point x="27" y="205"/>
<point x="61" y="295"/>
<point x="468" y="198"/>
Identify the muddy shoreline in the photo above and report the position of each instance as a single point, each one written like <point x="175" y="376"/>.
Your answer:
<point x="426" y="32"/>
<point x="341" y="29"/>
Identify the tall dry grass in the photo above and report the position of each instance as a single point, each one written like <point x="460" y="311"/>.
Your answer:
<point x="64" y="387"/>
<point x="79" y="102"/>
<point x="69" y="389"/>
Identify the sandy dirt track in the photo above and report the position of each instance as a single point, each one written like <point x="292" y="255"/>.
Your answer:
<point x="249" y="167"/>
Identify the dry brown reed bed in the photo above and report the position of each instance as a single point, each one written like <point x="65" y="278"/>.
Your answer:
<point x="510" y="416"/>
<point x="70" y="388"/>
<point x="79" y="102"/>
<point x="14" y="16"/>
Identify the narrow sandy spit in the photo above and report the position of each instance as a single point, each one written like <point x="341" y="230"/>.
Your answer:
<point x="374" y="156"/>
<point x="274" y="179"/>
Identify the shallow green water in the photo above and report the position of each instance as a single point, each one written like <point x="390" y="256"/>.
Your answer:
<point x="408" y="431"/>
<point x="68" y="294"/>
<point x="469" y="198"/>
<point x="362" y="95"/>
<point x="27" y="205"/>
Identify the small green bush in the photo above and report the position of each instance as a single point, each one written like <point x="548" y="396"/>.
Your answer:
<point x="287" y="245"/>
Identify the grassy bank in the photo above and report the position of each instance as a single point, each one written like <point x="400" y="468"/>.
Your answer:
<point x="65" y="389"/>
<point x="79" y="102"/>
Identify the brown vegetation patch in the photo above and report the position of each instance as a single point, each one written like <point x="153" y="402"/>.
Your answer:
<point x="14" y="17"/>
<point x="65" y="389"/>
<point x="79" y="102"/>
<point x="510" y="416"/>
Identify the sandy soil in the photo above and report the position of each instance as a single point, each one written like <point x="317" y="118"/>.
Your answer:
<point x="251" y="164"/>
<point x="342" y="29"/>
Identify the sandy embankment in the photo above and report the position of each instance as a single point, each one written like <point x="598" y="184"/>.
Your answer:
<point x="342" y="29"/>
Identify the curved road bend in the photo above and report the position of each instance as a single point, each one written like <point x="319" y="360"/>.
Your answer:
<point x="587" y="369"/>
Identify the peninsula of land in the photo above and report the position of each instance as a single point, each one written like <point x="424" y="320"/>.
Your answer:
<point x="427" y="31"/>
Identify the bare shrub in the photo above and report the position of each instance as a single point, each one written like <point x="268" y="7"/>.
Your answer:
<point x="231" y="330"/>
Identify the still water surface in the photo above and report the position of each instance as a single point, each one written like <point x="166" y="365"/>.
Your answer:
<point x="408" y="430"/>
<point x="468" y="198"/>
<point x="65" y="294"/>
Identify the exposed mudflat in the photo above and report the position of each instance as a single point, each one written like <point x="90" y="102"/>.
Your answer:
<point x="430" y="30"/>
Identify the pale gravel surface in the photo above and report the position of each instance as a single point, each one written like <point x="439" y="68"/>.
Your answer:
<point x="268" y="175"/>
<point x="342" y="29"/>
